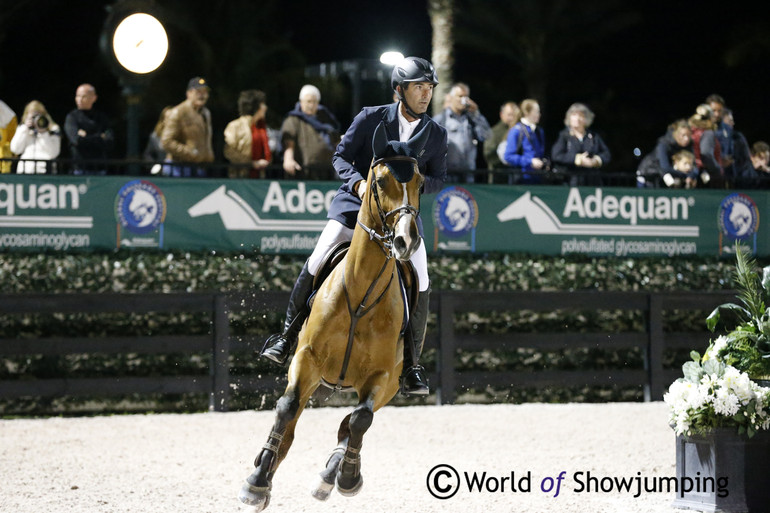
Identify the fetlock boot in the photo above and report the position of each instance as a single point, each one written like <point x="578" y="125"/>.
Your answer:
<point x="279" y="346"/>
<point x="413" y="378"/>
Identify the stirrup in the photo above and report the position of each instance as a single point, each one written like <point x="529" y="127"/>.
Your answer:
<point x="414" y="381"/>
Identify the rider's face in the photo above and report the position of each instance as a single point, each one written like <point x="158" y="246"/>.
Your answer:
<point x="418" y="96"/>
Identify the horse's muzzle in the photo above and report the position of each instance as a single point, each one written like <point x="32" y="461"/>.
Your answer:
<point x="406" y="237"/>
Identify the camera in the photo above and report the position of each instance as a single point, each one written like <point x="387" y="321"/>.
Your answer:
<point x="40" y="121"/>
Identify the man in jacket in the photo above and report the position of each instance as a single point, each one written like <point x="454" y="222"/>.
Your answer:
<point x="89" y="132"/>
<point x="466" y="128"/>
<point x="186" y="135"/>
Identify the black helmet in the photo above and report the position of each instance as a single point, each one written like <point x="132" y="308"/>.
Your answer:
<point x="413" y="69"/>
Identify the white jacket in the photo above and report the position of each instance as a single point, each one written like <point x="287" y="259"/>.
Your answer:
<point x="39" y="146"/>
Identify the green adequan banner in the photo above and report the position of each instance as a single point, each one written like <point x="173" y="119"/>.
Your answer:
<point x="88" y="213"/>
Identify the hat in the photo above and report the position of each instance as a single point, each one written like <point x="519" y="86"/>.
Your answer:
<point x="197" y="83"/>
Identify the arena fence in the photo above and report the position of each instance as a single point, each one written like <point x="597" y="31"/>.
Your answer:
<point x="651" y="337"/>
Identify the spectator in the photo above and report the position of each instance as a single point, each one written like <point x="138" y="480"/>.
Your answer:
<point x="38" y="138"/>
<point x="246" y="139"/>
<point x="724" y="131"/>
<point x="186" y="135"/>
<point x="525" y="147"/>
<point x="706" y="146"/>
<point x="752" y="168"/>
<point x="658" y="164"/>
<point x="495" y="145"/>
<point x="8" y="123"/>
<point x="309" y="135"/>
<point x="578" y="151"/>
<point x="466" y="128"/>
<point x="89" y="133"/>
<point x="684" y="162"/>
<point x="154" y="151"/>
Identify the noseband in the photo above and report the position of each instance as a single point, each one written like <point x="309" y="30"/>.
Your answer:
<point x="386" y="239"/>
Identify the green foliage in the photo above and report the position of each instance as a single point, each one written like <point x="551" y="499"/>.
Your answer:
<point x="747" y="347"/>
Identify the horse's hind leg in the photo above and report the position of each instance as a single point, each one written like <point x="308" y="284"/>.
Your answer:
<point x="349" y="480"/>
<point x="256" y="490"/>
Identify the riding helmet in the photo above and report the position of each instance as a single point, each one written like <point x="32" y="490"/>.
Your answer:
<point x="413" y="69"/>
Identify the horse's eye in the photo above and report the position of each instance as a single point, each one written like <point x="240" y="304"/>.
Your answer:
<point x="382" y="181"/>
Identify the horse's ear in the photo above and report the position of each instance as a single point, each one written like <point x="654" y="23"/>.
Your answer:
<point x="379" y="141"/>
<point x="419" y="140"/>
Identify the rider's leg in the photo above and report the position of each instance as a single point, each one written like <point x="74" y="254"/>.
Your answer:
<point x="413" y="378"/>
<point x="279" y="346"/>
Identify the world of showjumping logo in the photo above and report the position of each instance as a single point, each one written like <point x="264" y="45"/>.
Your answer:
<point x="140" y="207"/>
<point x="738" y="216"/>
<point x="455" y="211"/>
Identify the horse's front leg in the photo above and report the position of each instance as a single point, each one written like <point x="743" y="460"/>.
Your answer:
<point x="256" y="490"/>
<point x="325" y="483"/>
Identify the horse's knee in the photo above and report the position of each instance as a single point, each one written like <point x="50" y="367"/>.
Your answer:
<point x="361" y="419"/>
<point x="287" y="407"/>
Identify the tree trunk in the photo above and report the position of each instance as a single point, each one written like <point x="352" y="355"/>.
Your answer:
<point x="442" y="20"/>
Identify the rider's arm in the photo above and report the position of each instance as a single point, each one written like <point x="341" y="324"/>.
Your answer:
<point x="350" y="145"/>
<point x="435" y="168"/>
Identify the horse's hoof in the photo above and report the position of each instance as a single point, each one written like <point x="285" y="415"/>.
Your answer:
<point x="350" y="492"/>
<point x="322" y="490"/>
<point x="256" y="496"/>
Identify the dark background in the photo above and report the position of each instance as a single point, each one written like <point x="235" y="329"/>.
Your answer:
<point x="638" y="65"/>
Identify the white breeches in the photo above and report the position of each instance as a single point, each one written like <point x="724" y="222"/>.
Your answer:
<point x="335" y="232"/>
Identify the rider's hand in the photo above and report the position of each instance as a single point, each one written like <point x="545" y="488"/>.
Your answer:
<point x="361" y="188"/>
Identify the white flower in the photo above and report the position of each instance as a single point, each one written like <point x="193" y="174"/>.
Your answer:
<point x="713" y="351"/>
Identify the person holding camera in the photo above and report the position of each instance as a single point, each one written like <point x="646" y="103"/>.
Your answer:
<point x="36" y="140"/>
<point x="466" y="128"/>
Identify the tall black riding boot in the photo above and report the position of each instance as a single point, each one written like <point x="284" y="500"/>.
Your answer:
<point x="279" y="346"/>
<point x="413" y="378"/>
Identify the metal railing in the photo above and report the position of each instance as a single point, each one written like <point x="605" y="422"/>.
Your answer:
<point x="505" y="175"/>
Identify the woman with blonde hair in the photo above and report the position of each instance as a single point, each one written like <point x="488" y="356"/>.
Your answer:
<point x="38" y="138"/>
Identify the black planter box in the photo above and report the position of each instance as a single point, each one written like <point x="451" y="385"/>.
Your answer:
<point x="732" y="471"/>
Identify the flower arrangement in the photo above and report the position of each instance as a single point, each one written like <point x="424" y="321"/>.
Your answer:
<point x="717" y="389"/>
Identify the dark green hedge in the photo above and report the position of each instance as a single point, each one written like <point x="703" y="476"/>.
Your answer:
<point x="128" y="271"/>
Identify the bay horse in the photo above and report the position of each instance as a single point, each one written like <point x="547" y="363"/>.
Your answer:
<point x="352" y="337"/>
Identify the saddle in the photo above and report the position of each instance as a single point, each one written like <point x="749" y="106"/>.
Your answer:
<point x="407" y="279"/>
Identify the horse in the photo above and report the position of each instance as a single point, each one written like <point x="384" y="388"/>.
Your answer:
<point x="352" y="338"/>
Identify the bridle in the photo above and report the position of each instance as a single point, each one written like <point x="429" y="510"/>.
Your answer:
<point x="386" y="239"/>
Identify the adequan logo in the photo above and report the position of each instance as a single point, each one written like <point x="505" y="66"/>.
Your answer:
<point x="237" y="214"/>
<point x="42" y="196"/>
<point x="541" y="220"/>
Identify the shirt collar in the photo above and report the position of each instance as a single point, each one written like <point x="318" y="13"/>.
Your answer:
<point x="405" y="127"/>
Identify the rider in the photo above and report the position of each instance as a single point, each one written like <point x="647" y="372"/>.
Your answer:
<point x="413" y="80"/>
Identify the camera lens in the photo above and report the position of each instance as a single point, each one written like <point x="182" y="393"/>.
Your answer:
<point x="41" y="122"/>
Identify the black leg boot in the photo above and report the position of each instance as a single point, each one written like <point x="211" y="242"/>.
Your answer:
<point x="279" y="346"/>
<point x="413" y="378"/>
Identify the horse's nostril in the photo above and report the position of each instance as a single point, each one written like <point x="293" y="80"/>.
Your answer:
<point x="400" y="244"/>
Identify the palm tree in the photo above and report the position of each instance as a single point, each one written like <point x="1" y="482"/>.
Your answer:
<point x="441" y="14"/>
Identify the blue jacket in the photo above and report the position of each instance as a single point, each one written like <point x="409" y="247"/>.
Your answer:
<point x="353" y="158"/>
<point x="522" y="146"/>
